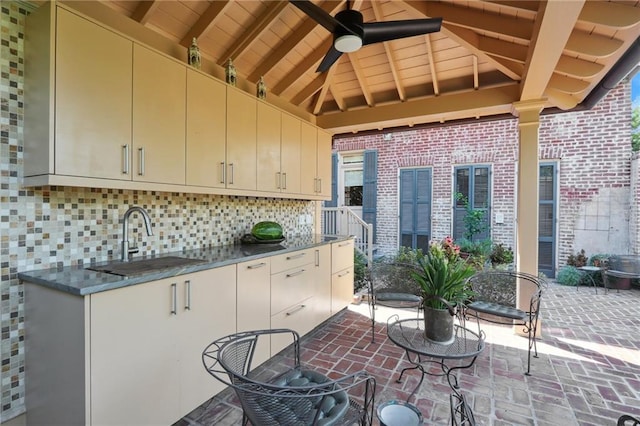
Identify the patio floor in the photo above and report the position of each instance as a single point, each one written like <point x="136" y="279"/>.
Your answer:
<point x="587" y="373"/>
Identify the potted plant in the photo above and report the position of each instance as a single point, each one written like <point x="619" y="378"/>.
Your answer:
<point x="442" y="275"/>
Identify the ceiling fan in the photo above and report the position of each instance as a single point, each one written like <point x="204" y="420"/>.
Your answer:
<point x="350" y="33"/>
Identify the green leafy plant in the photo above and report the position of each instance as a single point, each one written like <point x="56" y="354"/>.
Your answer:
<point x="577" y="260"/>
<point x="568" y="275"/>
<point x="474" y="219"/>
<point x="500" y="255"/>
<point x="359" y="270"/>
<point x="443" y="277"/>
<point x="635" y="129"/>
<point x="407" y="255"/>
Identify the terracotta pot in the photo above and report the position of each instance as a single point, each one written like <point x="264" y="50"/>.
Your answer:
<point x="438" y="325"/>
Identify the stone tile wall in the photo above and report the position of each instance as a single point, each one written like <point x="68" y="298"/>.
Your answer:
<point x="58" y="226"/>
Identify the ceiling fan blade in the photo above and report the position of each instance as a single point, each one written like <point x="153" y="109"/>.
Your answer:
<point x="319" y="15"/>
<point x="375" y="32"/>
<point x="329" y="59"/>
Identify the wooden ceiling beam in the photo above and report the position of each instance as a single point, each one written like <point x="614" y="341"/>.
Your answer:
<point x="309" y="90"/>
<point x="144" y="10"/>
<point x="432" y="65"/>
<point x="322" y="94"/>
<point x="568" y="85"/>
<point x="297" y="35"/>
<point x="578" y="68"/>
<point x="531" y="6"/>
<point x="561" y="100"/>
<point x="483" y="102"/>
<point x="477" y="20"/>
<point x="609" y="14"/>
<point x="310" y="61"/>
<point x="337" y="96"/>
<point x="554" y="23"/>
<point x="377" y="11"/>
<point x="362" y="79"/>
<point x="255" y="29"/>
<point x="476" y="83"/>
<point x="594" y="45"/>
<point x="205" y="22"/>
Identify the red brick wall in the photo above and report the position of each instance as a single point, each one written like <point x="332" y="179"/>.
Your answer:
<point x="592" y="149"/>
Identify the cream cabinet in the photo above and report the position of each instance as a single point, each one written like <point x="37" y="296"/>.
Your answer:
<point x="158" y="146"/>
<point x="321" y="277"/>
<point x="134" y="353"/>
<point x="269" y="174"/>
<point x="240" y="168"/>
<point x="206" y="130"/>
<point x="290" y="160"/>
<point x="79" y="94"/>
<point x="342" y="275"/>
<point x="316" y="161"/>
<point x="254" y="296"/>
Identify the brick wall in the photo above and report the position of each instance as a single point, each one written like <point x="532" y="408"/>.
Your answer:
<point x="592" y="150"/>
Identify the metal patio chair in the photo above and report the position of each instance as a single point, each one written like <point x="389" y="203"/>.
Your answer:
<point x="627" y="420"/>
<point x="286" y="393"/>
<point x="391" y="284"/>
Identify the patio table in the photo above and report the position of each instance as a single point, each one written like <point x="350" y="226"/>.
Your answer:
<point x="409" y="334"/>
<point x="587" y="274"/>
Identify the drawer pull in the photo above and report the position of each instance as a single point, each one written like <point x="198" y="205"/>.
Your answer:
<point x="187" y="306"/>
<point x="174" y="299"/>
<point x="344" y="244"/>
<point x="141" y="161"/>
<point x="296" y="256"/>
<point x="299" y="308"/>
<point x="293" y="274"/>
<point x="344" y="274"/>
<point x="125" y="159"/>
<point x="223" y="171"/>
<point x="257" y="265"/>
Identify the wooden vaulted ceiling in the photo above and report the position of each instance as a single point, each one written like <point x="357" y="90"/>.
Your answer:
<point x="488" y="54"/>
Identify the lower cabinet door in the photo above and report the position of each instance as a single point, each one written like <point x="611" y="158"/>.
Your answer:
<point x="341" y="289"/>
<point x="134" y="376"/>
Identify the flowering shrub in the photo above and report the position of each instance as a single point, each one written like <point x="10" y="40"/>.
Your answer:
<point x="450" y="249"/>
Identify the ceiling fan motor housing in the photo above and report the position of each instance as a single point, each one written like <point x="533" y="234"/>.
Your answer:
<point x="343" y="40"/>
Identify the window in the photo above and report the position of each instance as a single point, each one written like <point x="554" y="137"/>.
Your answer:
<point x="472" y="183"/>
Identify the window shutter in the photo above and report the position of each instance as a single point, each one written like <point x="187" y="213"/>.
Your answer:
<point x="370" y="188"/>
<point x="334" y="182"/>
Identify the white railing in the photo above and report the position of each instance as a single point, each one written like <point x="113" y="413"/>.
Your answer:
<point x="343" y="221"/>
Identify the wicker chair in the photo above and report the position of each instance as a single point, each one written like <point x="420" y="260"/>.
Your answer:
<point x="286" y="393"/>
<point x="495" y="301"/>
<point x="392" y="285"/>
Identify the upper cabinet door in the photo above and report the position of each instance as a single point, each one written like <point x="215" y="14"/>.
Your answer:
<point x="206" y="130"/>
<point x="290" y="158"/>
<point x="269" y="175"/>
<point x="241" y="140"/>
<point x="324" y="164"/>
<point x="308" y="156"/>
<point x="93" y="99"/>
<point x="159" y="104"/>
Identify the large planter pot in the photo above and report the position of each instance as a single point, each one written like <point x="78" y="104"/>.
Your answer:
<point x="438" y="325"/>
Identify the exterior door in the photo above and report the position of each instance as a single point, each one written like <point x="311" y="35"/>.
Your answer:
<point x="415" y="208"/>
<point x="472" y="186"/>
<point x="547" y="219"/>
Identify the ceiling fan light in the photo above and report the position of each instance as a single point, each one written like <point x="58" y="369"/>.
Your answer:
<point x="347" y="43"/>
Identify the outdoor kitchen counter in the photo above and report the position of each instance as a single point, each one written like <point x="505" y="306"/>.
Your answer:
<point x="80" y="281"/>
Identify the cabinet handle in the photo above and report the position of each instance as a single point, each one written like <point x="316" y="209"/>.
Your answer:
<point x="343" y="274"/>
<point x="344" y="244"/>
<point x="317" y="258"/>
<point x="296" y="256"/>
<point x="299" y="308"/>
<point x="257" y="265"/>
<point x="125" y="159"/>
<point x="294" y="274"/>
<point x="319" y="185"/>
<point x="174" y="299"/>
<point x="315" y="184"/>
<point x="284" y="178"/>
<point x="222" y="172"/>
<point x="187" y="305"/>
<point x="141" y="159"/>
<point x="231" y="173"/>
<point x="278" y="179"/>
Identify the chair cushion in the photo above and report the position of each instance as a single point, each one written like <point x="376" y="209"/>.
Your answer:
<point x="332" y="407"/>
<point x="397" y="297"/>
<point x="498" y="310"/>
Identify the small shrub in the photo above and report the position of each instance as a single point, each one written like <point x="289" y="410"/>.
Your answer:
<point x="568" y="275"/>
<point x="501" y="255"/>
<point x="577" y="260"/>
<point x="407" y="255"/>
<point x="359" y="270"/>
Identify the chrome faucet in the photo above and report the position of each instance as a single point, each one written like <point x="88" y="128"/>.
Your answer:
<point x="127" y="251"/>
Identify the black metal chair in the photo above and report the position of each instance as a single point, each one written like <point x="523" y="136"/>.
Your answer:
<point x="392" y="285"/>
<point x="285" y="393"/>
<point x="627" y="420"/>
<point x="494" y="301"/>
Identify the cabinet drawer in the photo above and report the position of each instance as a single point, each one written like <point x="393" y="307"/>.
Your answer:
<point x="294" y="259"/>
<point x="299" y="317"/>
<point x="341" y="289"/>
<point x="341" y="255"/>
<point x="290" y="287"/>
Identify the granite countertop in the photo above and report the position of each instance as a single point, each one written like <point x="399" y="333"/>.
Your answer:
<point x="79" y="280"/>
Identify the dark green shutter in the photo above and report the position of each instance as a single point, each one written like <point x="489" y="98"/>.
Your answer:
<point x="370" y="188"/>
<point x="334" y="182"/>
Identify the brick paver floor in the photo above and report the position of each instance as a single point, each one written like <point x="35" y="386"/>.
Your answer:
<point x="587" y="373"/>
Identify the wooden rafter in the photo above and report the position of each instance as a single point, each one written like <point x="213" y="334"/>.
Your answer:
<point x="476" y="82"/>
<point x="310" y="61"/>
<point x="362" y="80"/>
<point x="309" y="90"/>
<point x="299" y="33"/>
<point x="432" y="65"/>
<point x="377" y="11"/>
<point x="325" y="89"/>
<point x="337" y="96"/>
<point x="205" y="22"/>
<point x="144" y="10"/>
<point x="255" y="29"/>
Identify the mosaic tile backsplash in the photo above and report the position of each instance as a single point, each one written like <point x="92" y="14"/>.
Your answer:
<point x="61" y="226"/>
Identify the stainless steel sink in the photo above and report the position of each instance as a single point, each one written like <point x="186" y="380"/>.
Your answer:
<point x="144" y="266"/>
